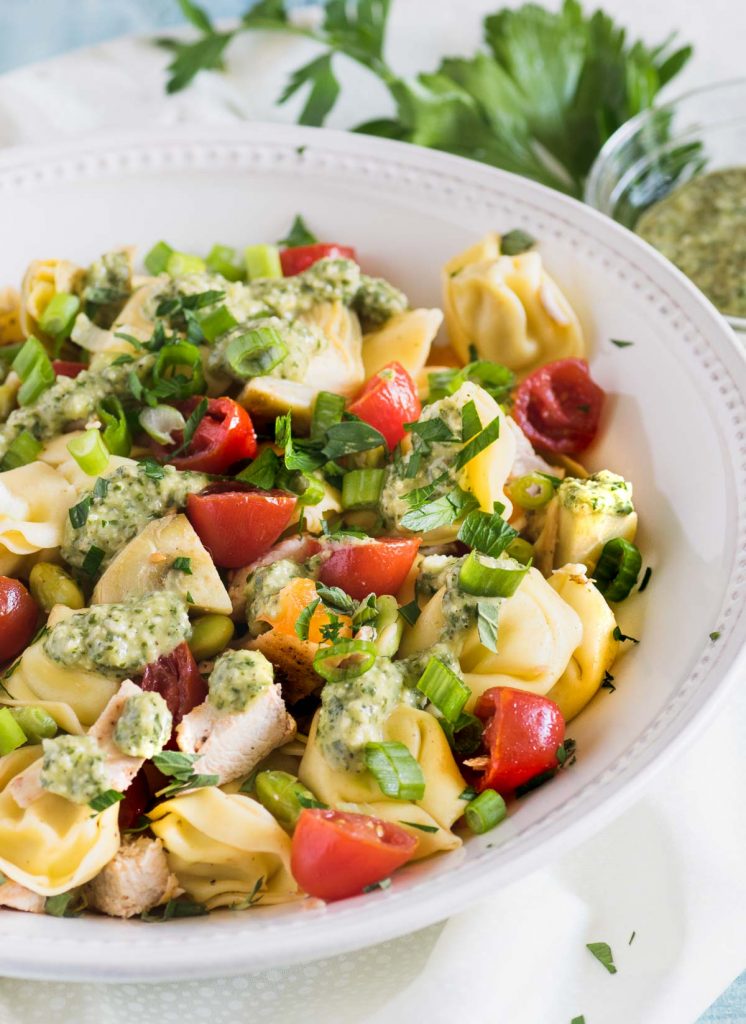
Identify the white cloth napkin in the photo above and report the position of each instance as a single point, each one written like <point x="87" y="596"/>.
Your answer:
<point x="670" y="870"/>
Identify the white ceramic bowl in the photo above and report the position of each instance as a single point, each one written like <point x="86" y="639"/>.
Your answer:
<point x="675" y="424"/>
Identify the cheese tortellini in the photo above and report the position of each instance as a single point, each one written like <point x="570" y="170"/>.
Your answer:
<point x="440" y="806"/>
<point x="43" y="279"/>
<point x="508" y="308"/>
<point x="34" y="501"/>
<point x="53" y="845"/>
<point x="37" y="678"/>
<point x="224" y="848"/>
<point x="597" y="650"/>
<point x="537" y="633"/>
<point x="406" y="338"/>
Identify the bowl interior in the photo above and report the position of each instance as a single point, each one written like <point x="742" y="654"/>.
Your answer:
<point x="674" y="425"/>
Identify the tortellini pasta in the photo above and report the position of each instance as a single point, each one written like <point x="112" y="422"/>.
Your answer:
<point x="34" y="500"/>
<point x="509" y="308"/>
<point x="440" y="806"/>
<point x="595" y="654"/>
<point x="43" y="279"/>
<point x="405" y="338"/>
<point x="537" y="633"/>
<point x="53" y="845"/>
<point x="224" y="847"/>
<point x="55" y="453"/>
<point x="10" y="311"/>
<point x="36" y="678"/>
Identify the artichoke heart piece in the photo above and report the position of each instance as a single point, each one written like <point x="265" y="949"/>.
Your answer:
<point x="269" y="397"/>
<point x="147" y="564"/>
<point x="406" y="339"/>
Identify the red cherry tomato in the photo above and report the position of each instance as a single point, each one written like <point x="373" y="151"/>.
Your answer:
<point x="301" y="257"/>
<point x="225" y="435"/>
<point x="67" y="368"/>
<point x="18" y="617"/>
<point x="371" y="567"/>
<point x="176" y="677"/>
<point x="336" y="854"/>
<point x="558" y="406"/>
<point x="238" y="523"/>
<point x="388" y="400"/>
<point x="523" y="733"/>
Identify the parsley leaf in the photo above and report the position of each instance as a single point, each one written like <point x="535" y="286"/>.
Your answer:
<point x="713" y="636"/>
<point x="349" y="437"/>
<point x="104" y="800"/>
<point x="182" y="564"/>
<point x="602" y="953"/>
<point x="190" y="427"/>
<point x="487" y="615"/>
<point x="336" y="600"/>
<point x="66" y="904"/>
<point x="262" y="472"/>
<point x="182" y="906"/>
<point x="298" y="234"/>
<point x="621" y="344"/>
<point x="304" y="619"/>
<point x="439" y="512"/>
<point x="487" y="532"/>
<point x="410" y="612"/>
<point x="422" y="828"/>
<point x="180" y="767"/>
<point x="478" y="444"/>
<point x="621" y="637"/>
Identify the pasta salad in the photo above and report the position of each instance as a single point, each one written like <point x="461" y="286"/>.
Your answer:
<point x="296" y="587"/>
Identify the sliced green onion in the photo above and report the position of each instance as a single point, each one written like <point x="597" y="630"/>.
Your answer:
<point x="116" y="432"/>
<point x="176" y="358"/>
<point x="283" y="796"/>
<point x="485" y="811"/>
<point x="22" y="450"/>
<point x="531" y="491"/>
<point x="33" y="366"/>
<point x="361" y="488"/>
<point x="521" y="550"/>
<point x="395" y="770"/>
<point x="157" y="259"/>
<point x="12" y="735"/>
<point x="90" y="452"/>
<point x="487" y="532"/>
<point x="58" y="318"/>
<point x="347" y="659"/>
<point x="262" y="261"/>
<point x="618" y="568"/>
<point x="483" y="580"/>
<point x="217" y="322"/>
<point x="35" y="722"/>
<point x="254" y="353"/>
<point x="180" y="263"/>
<point x="224" y="260"/>
<point x="312" y="492"/>
<point x="443" y="689"/>
<point x="160" y="422"/>
<point x="465" y="734"/>
<point x="327" y="411"/>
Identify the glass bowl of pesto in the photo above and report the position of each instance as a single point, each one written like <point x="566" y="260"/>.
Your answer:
<point x="676" y="175"/>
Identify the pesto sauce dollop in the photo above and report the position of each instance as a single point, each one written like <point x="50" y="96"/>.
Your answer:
<point x="119" y="640"/>
<point x="134" y="496"/>
<point x="144" y="726"/>
<point x="237" y="678"/>
<point x="74" y="767"/>
<point x="701" y="227"/>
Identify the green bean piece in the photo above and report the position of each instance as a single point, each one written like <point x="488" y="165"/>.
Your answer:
<point x="210" y="634"/>
<point x="283" y="796"/>
<point x="36" y="723"/>
<point x="51" y="585"/>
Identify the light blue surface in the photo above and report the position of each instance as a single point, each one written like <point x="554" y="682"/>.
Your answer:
<point x="35" y="29"/>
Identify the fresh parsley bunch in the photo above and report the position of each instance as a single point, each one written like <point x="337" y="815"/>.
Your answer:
<point x="540" y="100"/>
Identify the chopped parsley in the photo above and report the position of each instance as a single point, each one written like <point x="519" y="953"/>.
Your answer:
<point x="104" y="800"/>
<point x="79" y="513"/>
<point x="602" y="953"/>
<point x="621" y="344"/>
<point x="645" y="579"/>
<point x="631" y="938"/>
<point x="180" y="767"/>
<point x="182" y="906"/>
<point x="715" y="635"/>
<point x="515" y="242"/>
<point x="383" y="884"/>
<point x="487" y="616"/>
<point x="422" y="828"/>
<point x="410" y="612"/>
<point x="304" y="619"/>
<point x="621" y="637"/>
<point x="299" y="233"/>
<point x="608" y="682"/>
<point x="182" y="564"/>
<point x="92" y="561"/>
<point x="66" y="904"/>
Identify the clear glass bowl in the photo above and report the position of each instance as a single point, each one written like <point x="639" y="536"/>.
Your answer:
<point x="701" y="131"/>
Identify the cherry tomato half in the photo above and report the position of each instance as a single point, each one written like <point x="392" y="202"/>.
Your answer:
<point x="336" y="854"/>
<point x="301" y="257"/>
<point x="388" y="400"/>
<point x="225" y="435"/>
<point x="558" y="406"/>
<point x="238" y="523"/>
<point x="371" y="567"/>
<point x="523" y="733"/>
<point x="67" y="368"/>
<point x="18" y="617"/>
